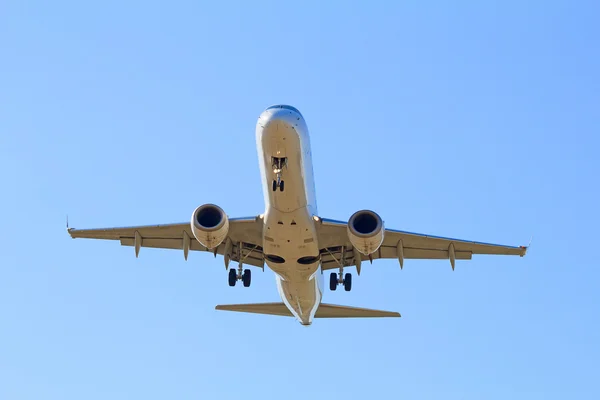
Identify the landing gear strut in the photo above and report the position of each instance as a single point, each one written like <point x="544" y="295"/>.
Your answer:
<point x="240" y="274"/>
<point x="339" y="278"/>
<point x="278" y="164"/>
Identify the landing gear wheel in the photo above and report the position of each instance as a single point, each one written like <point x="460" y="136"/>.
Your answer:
<point x="246" y="277"/>
<point x="274" y="185"/>
<point x="281" y="186"/>
<point x="348" y="282"/>
<point x="232" y="277"/>
<point x="333" y="281"/>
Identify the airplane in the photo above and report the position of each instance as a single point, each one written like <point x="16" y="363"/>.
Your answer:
<point x="290" y="236"/>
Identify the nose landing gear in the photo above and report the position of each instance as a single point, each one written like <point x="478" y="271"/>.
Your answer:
<point x="278" y="184"/>
<point x="278" y="164"/>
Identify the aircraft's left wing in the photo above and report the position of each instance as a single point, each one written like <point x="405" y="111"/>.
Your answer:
<point x="401" y="245"/>
<point x="245" y="235"/>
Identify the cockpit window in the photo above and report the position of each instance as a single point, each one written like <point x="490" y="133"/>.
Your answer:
<point x="285" y="107"/>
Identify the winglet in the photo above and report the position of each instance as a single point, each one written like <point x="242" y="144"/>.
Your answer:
<point x="68" y="228"/>
<point x="525" y="248"/>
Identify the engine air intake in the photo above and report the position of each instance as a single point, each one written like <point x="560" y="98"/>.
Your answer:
<point x="365" y="223"/>
<point x="209" y="217"/>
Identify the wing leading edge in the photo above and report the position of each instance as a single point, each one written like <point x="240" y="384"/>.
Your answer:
<point x="402" y="245"/>
<point x="245" y="235"/>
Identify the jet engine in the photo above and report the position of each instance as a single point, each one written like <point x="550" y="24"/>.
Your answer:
<point x="210" y="225"/>
<point x="365" y="231"/>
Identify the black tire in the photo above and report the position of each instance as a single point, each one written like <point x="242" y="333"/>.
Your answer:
<point x="232" y="277"/>
<point x="348" y="282"/>
<point x="333" y="281"/>
<point x="281" y="186"/>
<point x="274" y="186"/>
<point x="246" y="278"/>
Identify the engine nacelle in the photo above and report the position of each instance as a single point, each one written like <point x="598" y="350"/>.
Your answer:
<point x="210" y="225"/>
<point x="365" y="231"/>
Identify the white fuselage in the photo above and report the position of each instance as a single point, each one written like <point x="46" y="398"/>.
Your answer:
<point x="290" y="242"/>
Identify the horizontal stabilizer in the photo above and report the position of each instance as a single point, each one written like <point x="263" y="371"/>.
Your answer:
<point x="335" y="311"/>
<point x="324" y="310"/>
<point x="258" y="308"/>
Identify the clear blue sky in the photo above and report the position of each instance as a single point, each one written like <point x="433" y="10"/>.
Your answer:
<point x="476" y="120"/>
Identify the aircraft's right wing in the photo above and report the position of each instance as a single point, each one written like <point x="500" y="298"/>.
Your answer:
<point x="245" y="236"/>
<point x="401" y="245"/>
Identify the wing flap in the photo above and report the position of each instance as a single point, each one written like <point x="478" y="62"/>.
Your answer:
<point x="250" y="255"/>
<point x="163" y="243"/>
<point x="328" y="258"/>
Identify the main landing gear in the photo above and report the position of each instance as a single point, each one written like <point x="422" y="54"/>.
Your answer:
<point x="237" y="275"/>
<point x="339" y="278"/>
<point x="335" y="279"/>
<point x="278" y="164"/>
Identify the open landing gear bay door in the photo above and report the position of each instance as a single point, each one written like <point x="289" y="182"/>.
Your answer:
<point x="244" y="239"/>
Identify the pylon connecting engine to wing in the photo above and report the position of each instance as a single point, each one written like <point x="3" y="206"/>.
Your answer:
<point x="365" y="231"/>
<point x="210" y="225"/>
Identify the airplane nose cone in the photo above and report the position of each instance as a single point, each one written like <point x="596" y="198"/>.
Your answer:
<point x="269" y="119"/>
<point x="287" y="115"/>
<point x="279" y="129"/>
<point x="285" y="107"/>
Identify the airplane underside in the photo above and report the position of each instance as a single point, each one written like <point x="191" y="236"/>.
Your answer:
<point x="290" y="237"/>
